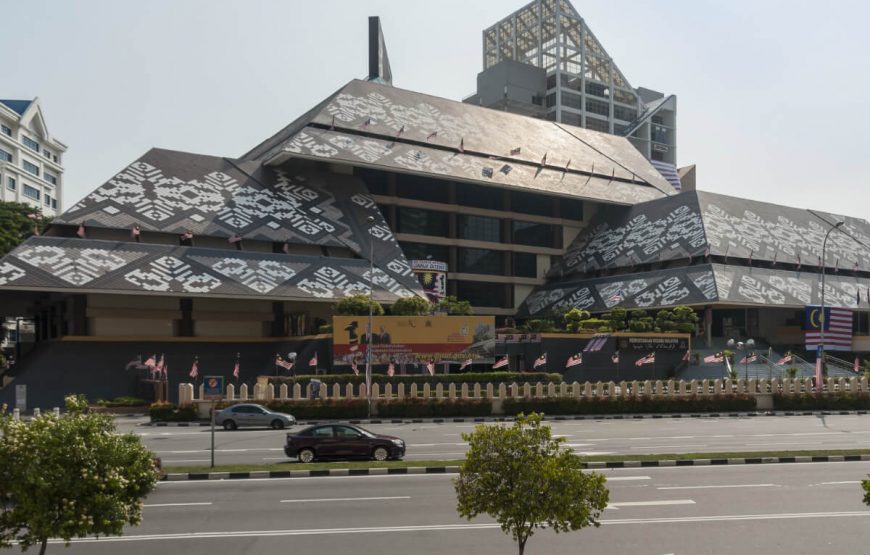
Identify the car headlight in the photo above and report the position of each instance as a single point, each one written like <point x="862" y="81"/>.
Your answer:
<point x="399" y="442"/>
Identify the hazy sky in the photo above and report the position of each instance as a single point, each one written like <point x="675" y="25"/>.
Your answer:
<point x="773" y="97"/>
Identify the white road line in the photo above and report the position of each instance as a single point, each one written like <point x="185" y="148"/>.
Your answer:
<point x="670" y="446"/>
<point x="207" y="450"/>
<point x="660" y="503"/>
<point x="627" y="478"/>
<point x="441" y="475"/>
<point x="186" y="461"/>
<point x="850" y="482"/>
<point x="726" y="518"/>
<point x="176" y="504"/>
<point x="344" y="499"/>
<point x="721" y="487"/>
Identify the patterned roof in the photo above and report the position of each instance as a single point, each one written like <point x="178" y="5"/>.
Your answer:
<point x="58" y="264"/>
<point x="699" y="284"/>
<point x="371" y="124"/>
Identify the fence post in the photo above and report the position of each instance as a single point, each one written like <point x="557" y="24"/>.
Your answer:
<point x="400" y="390"/>
<point x="527" y="390"/>
<point x="414" y="391"/>
<point x="451" y="391"/>
<point x="231" y="392"/>
<point x="439" y="390"/>
<point x="388" y="391"/>
<point x="427" y="391"/>
<point x="243" y="392"/>
<point x="463" y="391"/>
<point x="539" y="390"/>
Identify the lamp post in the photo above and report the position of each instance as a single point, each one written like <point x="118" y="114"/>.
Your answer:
<point x="822" y="319"/>
<point x="371" y="221"/>
<point x="741" y="347"/>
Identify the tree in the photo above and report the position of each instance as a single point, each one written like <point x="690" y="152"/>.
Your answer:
<point x="453" y="306"/>
<point x="357" y="305"/>
<point x="640" y="321"/>
<point x="866" y="485"/>
<point x="574" y="317"/>
<point x="17" y="222"/>
<point x="524" y="478"/>
<point x="69" y="477"/>
<point x="615" y="318"/>
<point x="411" y="306"/>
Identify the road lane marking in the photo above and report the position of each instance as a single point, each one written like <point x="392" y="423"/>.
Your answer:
<point x="727" y="518"/>
<point x="184" y="461"/>
<point x="344" y="499"/>
<point x="627" y="478"/>
<point x="207" y="450"/>
<point x="660" y="503"/>
<point x="670" y="446"/>
<point x="177" y="504"/>
<point x="722" y="486"/>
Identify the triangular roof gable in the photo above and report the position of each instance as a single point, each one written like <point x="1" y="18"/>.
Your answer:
<point x="33" y="117"/>
<point x="17" y="106"/>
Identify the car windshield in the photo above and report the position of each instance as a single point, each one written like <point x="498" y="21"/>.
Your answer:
<point x="365" y="432"/>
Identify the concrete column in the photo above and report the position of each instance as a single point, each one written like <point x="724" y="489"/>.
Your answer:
<point x="527" y="390"/>
<point x="200" y="392"/>
<point x="427" y="390"/>
<point x="477" y="391"/>
<point x="297" y="391"/>
<point x="502" y="390"/>
<point x="284" y="391"/>
<point x="539" y="390"/>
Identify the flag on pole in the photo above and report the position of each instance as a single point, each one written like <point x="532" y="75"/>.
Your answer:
<point x="857" y="367"/>
<point x="285" y="248"/>
<point x="774" y="257"/>
<point x="614" y="358"/>
<point x="838" y="327"/>
<point x="648" y="359"/>
<point x="432" y="135"/>
<point x="391" y="369"/>
<point x="799" y="263"/>
<point x="687" y="355"/>
<point x="399" y="132"/>
<point x="236" y="368"/>
<point x="354" y="367"/>
<point x="515" y="151"/>
<point x="159" y="368"/>
<point x="784" y="360"/>
<point x="235" y="238"/>
<point x="749" y="359"/>
<point x="540" y="361"/>
<point x="718" y="357"/>
<point x="465" y="364"/>
<point x="194" y="368"/>
<point x="544" y="160"/>
<point x="750" y="258"/>
<point x="567" y="164"/>
<point x="166" y="371"/>
<point x="313" y="361"/>
<point x="501" y="363"/>
<point x="81" y="230"/>
<point x="575" y="360"/>
<point x="136" y="232"/>
<point x="367" y="122"/>
<point x="151" y="361"/>
<point x="187" y="235"/>
<point x="430" y="366"/>
<point x="462" y="145"/>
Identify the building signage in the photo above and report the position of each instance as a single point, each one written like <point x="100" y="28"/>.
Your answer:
<point x="432" y="276"/>
<point x="213" y="387"/>
<point x="396" y="337"/>
<point x="643" y="343"/>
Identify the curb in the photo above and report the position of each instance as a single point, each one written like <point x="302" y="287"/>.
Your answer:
<point x="204" y="476"/>
<point x="479" y="419"/>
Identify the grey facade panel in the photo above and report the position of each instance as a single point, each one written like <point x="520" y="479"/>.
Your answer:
<point x="59" y="264"/>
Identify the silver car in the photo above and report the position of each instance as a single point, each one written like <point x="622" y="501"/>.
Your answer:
<point x="248" y="414"/>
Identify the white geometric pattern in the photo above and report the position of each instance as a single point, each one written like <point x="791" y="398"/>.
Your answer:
<point x="10" y="273"/>
<point x="260" y="275"/>
<point x="76" y="266"/>
<point x="167" y="271"/>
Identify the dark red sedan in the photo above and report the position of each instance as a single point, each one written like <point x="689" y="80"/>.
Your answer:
<point x="342" y="441"/>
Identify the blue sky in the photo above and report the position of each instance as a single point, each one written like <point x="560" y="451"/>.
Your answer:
<point x="772" y="95"/>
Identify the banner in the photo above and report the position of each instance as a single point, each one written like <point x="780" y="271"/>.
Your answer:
<point x="432" y="276"/>
<point x="414" y="337"/>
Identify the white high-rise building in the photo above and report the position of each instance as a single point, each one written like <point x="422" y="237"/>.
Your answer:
<point x="31" y="160"/>
<point x="544" y="61"/>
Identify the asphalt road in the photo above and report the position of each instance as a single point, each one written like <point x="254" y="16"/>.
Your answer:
<point x="773" y="509"/>
<point x="190" y="446"/>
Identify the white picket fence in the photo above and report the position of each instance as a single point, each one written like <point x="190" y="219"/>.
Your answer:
<point x="587" y="390"/>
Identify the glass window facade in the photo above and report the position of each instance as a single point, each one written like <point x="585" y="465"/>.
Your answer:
<point x="571" y="100"/>
<point x="5" y="156"/>
<point x="571" y="118"/>
<point x="597" y="89"/>
<point x="422" y="251"/>
<point x="47" y="200"/>
<point x="597" y="125"/>
<point x="481" y="261"/>
<point x="597" y="107"/>
<point x="31" y="168"/>
<point x="571" y="209"/>
<point x="627" y="114"/>
<point x="423" y="222"/>
<point x="480" y="228"/>
<point x="482" y="294"/>
<point x="376" y="181"/>
<point x="479" y="197"/>
<point x="30" y="143"/>
<point x="530" y="203"/>
<point x="422" y="188"/>
<point x="31" y="192"/>
<point x="50" y="178"/>
<point x="534" y="234"/>
<point x="525" y="264"/>
<point x="10" y="183"/>
<point x="6" y="131"/>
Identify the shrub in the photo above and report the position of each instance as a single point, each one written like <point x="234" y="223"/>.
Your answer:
<point x="829" y="401"/>
<point x="326" y="328"/>
<point x="357" y="305"/>
<point x="167" y="412"/>
<point x="122" y="402"/>
<point x="426" y="408"/>
<point x="411" y="306"/>
<point x="322" y="409"/>
<point x="630" y="405"/>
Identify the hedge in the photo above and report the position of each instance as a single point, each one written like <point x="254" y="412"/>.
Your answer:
<point x="121" y="402"/>
<point x="630" y="405"/>
<point x="829" y="401"/>
<point x="321" y="410"/>
<point x="420" y="379"/>
<point x="167" y="412"/>
<point x="422" y="408"/>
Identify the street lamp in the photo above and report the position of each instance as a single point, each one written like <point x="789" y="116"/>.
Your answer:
<point x="821" y="351"/>
<point x="371" y="221"/>
<point x="741" y="347"/>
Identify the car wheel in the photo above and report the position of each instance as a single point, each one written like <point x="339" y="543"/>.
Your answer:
<point x="306" y="456"/>
<point x="229" y="425"/>
<point x="380" y="454"/>
<point x="277" y="424"/>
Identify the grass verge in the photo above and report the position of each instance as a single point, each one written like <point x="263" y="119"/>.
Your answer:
<point x="293" y="465"/>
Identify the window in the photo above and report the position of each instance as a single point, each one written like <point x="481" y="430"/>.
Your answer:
<point x="30" y="192"/>
<point x="525" y="264"/>
<point x="423" y="222"/>
<point x="10" y="183"/>
<point x="28" y="167"/>
<point x="54" y="203"/>
<point x="625" y="97"/>
<point x="479" y="197"/>
<point x="481" y="293"/>
<point x="627" y="114"/>
<point x="47" y="200"/>
<point x="597" y="125"/>
<point x="46" y="154"/>
<point x="480" y="228"/>
<point x="324" y="431"/>
<point x="481" y="261"/>
<point x="50" y="178"/>
<point x="375" y="180"/>
<point x="551" y="100"/>
<point x="30" y="143"/>
<point x="571" y="209"/>
<point x="597" y="107"/>
<point x="597" y="89"/>
<point x="6" y="131"/>
<point x="421" y="188"/>
<point x="530" y="203"/>
<point x="54" y="158"/>
<point x="570" y="100"/>
<point x="421" y="251"/>
<point x="571" y="118"/>
<point x="5" y="156"/>
<point x="534" y="234"/>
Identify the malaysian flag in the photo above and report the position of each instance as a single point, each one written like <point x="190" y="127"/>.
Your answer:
<point x="648" y="359"/>
<point x="158" y="370"/>
<point x="236" y="368"/>
<point x="462" y="144"/>
<point x="313" y="361"/>
<point x="687" y="355"/>
<point x="285" y="364"/>
<point x="575" y="360"/>
<point x="857" y="367"/>
<point x="838" y="328"/>
<point x="718" y="357"/>
<point x="540" y="361"/>
<point x="136" y="232"/>
<point x="430" y="366"/>
<point x="194" y="368"/>
<point x="544" y="160"/>
<point x="431" y="135"/>
<point x="354" y="367"/>
<point x="515" y="151"/>
<point x="465" y="364"/>
<point x="749" y="359"/>
<point x="500" y="363"/>
<point x="784" y="360"/>
<point x="614" y="358"/>
<point x="151" y="361"/>
<point x="391" y="369"/>
<point x="187" y="235"/>
<point x="235" y="238"/>
<point x="81" y="230"/>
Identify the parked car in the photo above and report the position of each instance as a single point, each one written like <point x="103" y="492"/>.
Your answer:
<point x="342" y="441"/>
<point x="248" y="414"/>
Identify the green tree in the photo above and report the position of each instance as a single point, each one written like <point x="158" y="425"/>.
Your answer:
<point x="357" y="305"/>
<point x="526" y="479"/>
<point x="453" y="306"/>
<point x="574" y="317"/>
<point x="866" y="485"/>
<point x="616" y="318"/>
<point x="69" y="477"/>
<point x="538" y="326"/>
<point x="16" y="224"/>
<point x="684" y="319"/>
<point x="411" y="306"/>
<point x="640" y="321"/>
